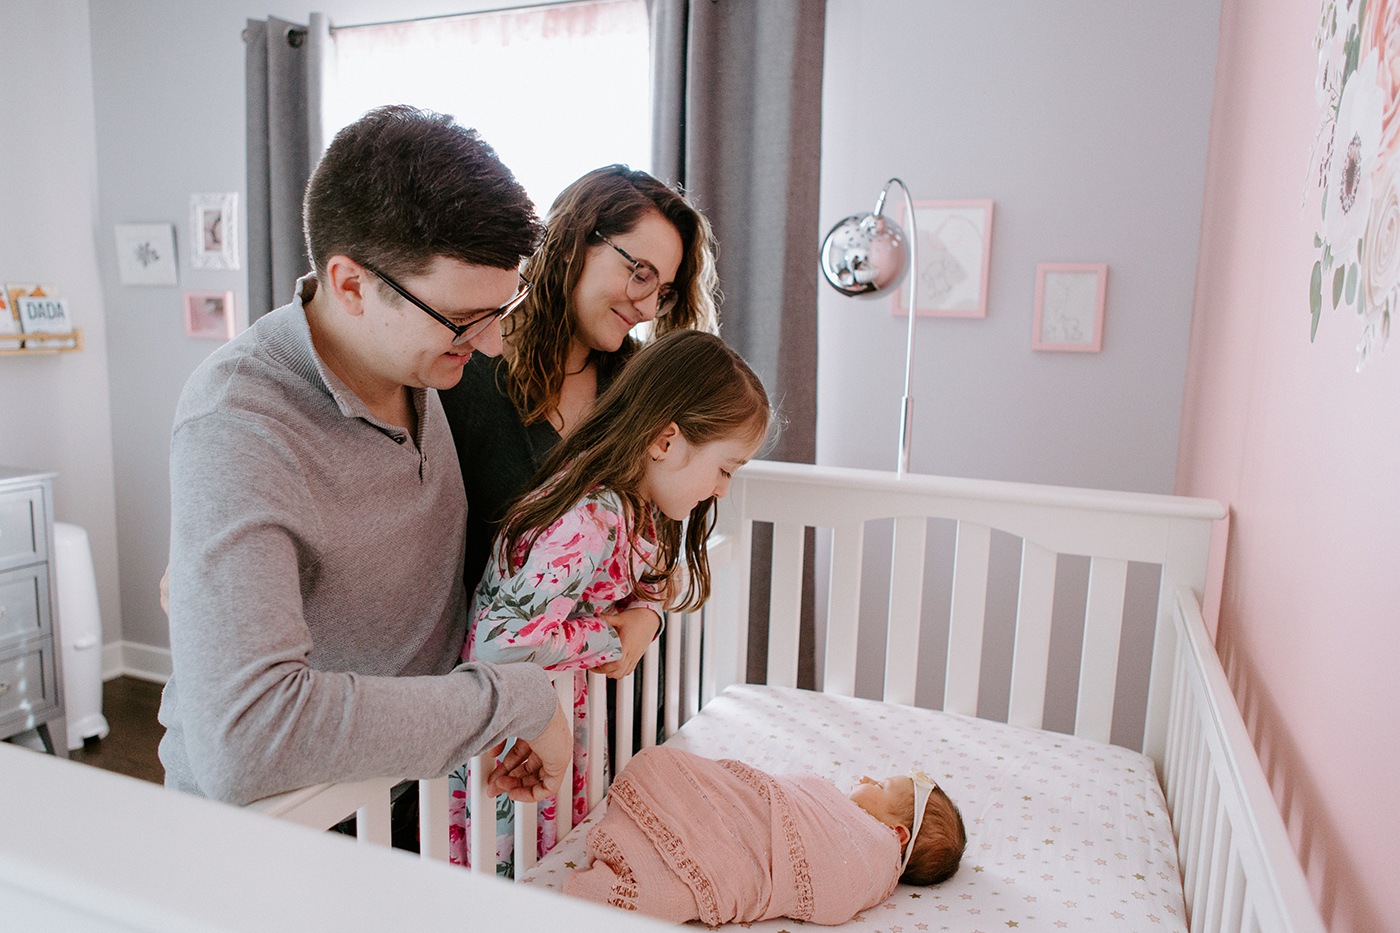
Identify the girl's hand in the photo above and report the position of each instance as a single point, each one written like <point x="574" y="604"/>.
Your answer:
<point x="635" y="629"/>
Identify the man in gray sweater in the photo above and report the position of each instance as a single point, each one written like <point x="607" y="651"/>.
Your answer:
<point x="317" y="609"/>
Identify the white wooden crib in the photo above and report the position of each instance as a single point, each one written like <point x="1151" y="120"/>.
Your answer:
<point x="936" y="595"/>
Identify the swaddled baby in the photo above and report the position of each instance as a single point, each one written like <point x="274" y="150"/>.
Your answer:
<point x="688" y="838"/>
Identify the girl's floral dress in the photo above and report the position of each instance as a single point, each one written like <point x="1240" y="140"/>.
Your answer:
<point x="547" y="612"/>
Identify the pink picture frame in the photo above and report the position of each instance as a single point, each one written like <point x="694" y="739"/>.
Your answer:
<point x="209" y="314"/>
<point x="954" y="258"/>
<point x="1069" y="306"/>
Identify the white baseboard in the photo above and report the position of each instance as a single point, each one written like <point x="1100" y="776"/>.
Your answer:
<point x="144" y="662"/>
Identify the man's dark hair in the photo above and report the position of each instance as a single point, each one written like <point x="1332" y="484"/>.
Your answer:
<point x="400" y="186"/>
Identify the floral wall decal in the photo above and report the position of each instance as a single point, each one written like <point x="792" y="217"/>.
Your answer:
<point x="1356" y="164"/>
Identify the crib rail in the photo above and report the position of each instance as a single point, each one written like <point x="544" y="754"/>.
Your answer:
<point x="1239" y="870"/>
<point x="326" y="805"/>
<point x="1112" y="529"/>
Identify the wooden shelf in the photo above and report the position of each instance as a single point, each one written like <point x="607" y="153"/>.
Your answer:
<point x="10" y="343"/>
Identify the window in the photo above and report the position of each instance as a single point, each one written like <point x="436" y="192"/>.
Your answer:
<point x="557" y="90"/>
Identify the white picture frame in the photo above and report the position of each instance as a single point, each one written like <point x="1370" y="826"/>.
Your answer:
<point x="214" y="230"/>
<point x="146" y="254"/>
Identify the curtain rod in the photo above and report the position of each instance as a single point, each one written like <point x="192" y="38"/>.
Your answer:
<point x="494" y="10"/>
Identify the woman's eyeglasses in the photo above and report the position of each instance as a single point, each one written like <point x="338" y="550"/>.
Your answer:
<point x="644" y="281"/>
<point x="464" y="332"/>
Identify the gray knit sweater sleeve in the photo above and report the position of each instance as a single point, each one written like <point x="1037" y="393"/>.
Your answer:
<point x="316" y="604"/>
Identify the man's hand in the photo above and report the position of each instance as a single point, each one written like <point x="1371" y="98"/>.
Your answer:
<point x="635" y="628"/>
<point x="533" y="770"/>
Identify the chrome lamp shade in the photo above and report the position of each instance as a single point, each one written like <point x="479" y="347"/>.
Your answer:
<point x="865" y="254"/>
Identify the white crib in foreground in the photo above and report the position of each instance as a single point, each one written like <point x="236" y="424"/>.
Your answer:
<point x="1239" y="871"/>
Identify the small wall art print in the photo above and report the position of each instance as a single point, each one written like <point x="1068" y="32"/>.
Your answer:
<point x="146" y="254"/>
<point x="954" y="258"/>
<point x="209" y="314"/>
<point x="214" y="230"/>
<point x="1069" y="302"/>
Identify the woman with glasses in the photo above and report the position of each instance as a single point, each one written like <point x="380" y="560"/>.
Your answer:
<point x="620" y="249"/>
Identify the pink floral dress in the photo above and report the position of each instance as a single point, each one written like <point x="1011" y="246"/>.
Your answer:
<point x="548" y="612"/>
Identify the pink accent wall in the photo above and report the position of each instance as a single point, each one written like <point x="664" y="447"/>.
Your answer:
<point x="1306" y="452"/>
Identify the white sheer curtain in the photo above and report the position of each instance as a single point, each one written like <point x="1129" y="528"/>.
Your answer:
<point x="557" y="90"/>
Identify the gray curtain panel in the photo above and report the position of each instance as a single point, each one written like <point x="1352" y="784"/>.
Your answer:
<point x="285" y="66"/>
<point x="736" y="89"/>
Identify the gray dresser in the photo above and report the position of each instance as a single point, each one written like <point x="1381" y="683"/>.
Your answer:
<point x="30" y="695"/>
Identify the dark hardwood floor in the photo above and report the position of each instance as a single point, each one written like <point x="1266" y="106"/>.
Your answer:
<point x="130" y="706"/>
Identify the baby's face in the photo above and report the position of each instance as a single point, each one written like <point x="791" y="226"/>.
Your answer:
<point x="885" y="800"/>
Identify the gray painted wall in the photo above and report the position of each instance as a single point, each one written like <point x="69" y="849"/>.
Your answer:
<point x="54" y="413"/>
<point x="1086" y="122"/>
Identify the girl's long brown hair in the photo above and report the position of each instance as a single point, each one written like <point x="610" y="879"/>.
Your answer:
<point x="689" y="378"/>
<point x="611" y="201"/>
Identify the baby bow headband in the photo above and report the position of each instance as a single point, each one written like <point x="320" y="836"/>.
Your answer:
<point x="923" y="786"/>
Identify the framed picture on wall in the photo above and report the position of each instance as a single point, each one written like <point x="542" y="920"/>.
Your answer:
<point x="209" y="314"/>
<point x="954" y="249"/>
<point x="1069" y="300"/>
<point x="145" y="254"/>
<point x="214" y="230"/>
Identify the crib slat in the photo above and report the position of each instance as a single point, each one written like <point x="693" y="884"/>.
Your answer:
<point x="1214" y="897"/>
<point x="694" y="627"/>
<point x="1030" y="659"/>
<point x="906" y="605"/>
<point x="1232" y="906"/>
<point x="1205" y="843"/>
<point x="564" y="802"/>
<point x="843" y="610"/>
<point x="1098" y="667"/>
<point x="527" y="846"/>
<point x="675" y="638"/>
<point x="650" y="691"/>
<point x="433" y="802"/>
<point x="966" y="618"/>
<point x="483" y="829"/>
<point x="622" y="741"/>
<point x="597" y="737"/>
<point x="373" y="822"/>
<point x="785" y="604"/>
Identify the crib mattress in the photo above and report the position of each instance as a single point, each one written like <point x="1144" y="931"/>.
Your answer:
<point x="1062" y="833"/>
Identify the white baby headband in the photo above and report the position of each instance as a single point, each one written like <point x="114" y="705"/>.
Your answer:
<point x="923" y="786"/>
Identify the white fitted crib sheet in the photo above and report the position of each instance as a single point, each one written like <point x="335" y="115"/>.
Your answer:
<point x="1062" y="833"/>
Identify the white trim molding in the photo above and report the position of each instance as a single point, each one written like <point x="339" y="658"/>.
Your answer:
<point x="130" y="659"/>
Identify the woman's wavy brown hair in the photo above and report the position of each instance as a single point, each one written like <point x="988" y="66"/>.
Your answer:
<point x="687" y="378"/>
<point x="611" y="201"/>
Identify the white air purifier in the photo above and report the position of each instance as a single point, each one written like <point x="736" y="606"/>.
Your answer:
<point x="80" y="631"/>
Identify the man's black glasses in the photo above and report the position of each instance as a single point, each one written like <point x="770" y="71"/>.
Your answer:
<point x="463" y="332"/>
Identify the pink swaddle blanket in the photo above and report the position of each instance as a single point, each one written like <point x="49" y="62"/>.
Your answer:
<point x="687" y="837"/>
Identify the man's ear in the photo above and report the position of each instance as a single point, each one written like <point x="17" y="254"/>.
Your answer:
<point x="662" y="446"/>
<point x="347" y="280"/>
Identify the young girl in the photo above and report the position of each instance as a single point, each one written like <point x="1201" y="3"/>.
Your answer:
<point x="583" y="564"/>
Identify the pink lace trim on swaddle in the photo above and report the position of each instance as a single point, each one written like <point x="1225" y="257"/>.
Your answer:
<point x="772" y="791"/>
